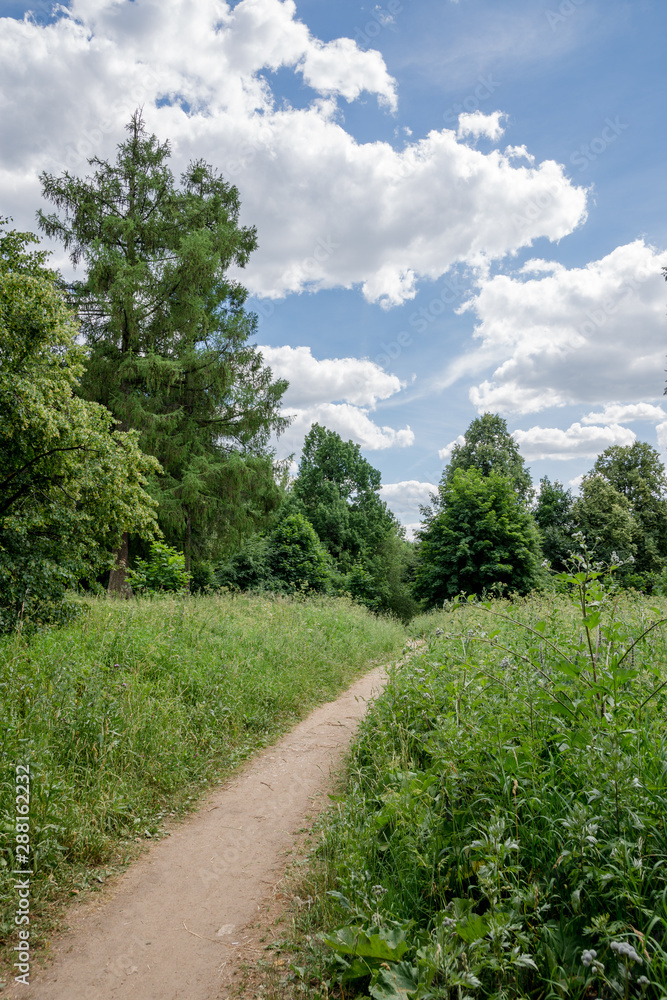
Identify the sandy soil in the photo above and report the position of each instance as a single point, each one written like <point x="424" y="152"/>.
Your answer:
<point x="178" y="924"/>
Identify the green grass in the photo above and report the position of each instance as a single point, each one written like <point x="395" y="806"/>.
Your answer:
<point x="128" y="713"/>
<point x="505" y="812"/>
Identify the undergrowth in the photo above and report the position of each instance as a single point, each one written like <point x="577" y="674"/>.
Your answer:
<point x="126" y="714"/>
<point x="503" y="830"/>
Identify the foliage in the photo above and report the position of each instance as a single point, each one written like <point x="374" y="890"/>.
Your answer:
<point x="482" y="538"/>
<point x="169" y="336"/>
<point x="127" y="714"/>
<point x="247" y="569"/>
<point x="163" y="571"/>
<point x="503" y="828"/>
<point x="295" y="556"/>
<point x="553" y="516"/>
<point x="69" y="486"/>
<point x="604" y="516"/>
<point x="637" y="473"/>
<point x="386" y="585"/>
<point x="338" y="491"/>
<point x="488" y="447"/>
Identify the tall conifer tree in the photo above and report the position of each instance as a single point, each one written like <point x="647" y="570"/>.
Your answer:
<point x="168" y="334"/>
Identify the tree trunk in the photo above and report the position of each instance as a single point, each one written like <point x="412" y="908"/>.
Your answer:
<point x="118" y="583"/>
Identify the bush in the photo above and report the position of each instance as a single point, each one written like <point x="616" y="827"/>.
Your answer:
<point x="295" y="556"/>
<point x="163" y="571"/>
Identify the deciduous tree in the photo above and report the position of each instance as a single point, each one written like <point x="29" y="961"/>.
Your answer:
<point x="605" y="518"/>
<point x="338" y="491"/>
<point x="482" y="538"/>
<point x="69" y="484"/>
<point x="489" y="447"/>
<point x="553" y="516"/>
<point x="636" y="472"/>
<point x="295" y="556"/>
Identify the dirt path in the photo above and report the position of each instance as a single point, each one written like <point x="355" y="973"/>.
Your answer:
<point x="172" y="925"/>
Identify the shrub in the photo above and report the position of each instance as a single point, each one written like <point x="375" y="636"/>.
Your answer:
<point x="163" y="571"/>
<point x="295" y="556"/>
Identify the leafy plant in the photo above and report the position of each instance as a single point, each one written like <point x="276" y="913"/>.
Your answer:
<point x="506" y="803"/>
<point x="163" y="571"/>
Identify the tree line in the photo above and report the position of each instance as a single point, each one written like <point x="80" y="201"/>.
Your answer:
<point x="137" y="414"/>
<point x="136" y="417"/>
<point x="486" y="530"/>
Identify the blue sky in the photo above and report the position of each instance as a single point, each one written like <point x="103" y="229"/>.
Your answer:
<point x="460" y="205"/>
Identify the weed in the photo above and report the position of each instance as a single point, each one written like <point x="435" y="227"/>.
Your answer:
<point x="503" y="831"/>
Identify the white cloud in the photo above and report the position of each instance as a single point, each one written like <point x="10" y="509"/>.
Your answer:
<point x="352" y="380"/>
<point x="476" y="123"/>
<point x="575" y="442"/>
<point x="404" y="500"/>
<point x="625" y="413"/>
<point x="341" y="68"/>
<point x="593" y="334"/>
<point x="406" y="496"/>
<point x="446" y="453"/>
<point x="351" y="422"/>
<point x="662" y="434"/>
<point x="336" y="392"/>
<point x="330" y="211"/>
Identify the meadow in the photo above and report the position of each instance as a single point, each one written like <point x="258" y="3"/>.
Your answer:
<point x="502" y="830"/>
<point x="128" y="713"/>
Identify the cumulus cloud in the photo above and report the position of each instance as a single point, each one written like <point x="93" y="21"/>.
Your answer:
<point x="351" y="422"/>
<point x="476" y="123"/>
<point x="558" y="335"/>
<point x="354" y="380"/>
<point x="625" y="413"/>
<point x="404" y="500"/>
<point x="575" y="442"/>
<point x="339" y="393"/>
<point x="446" y="453"/>
<point x="662" y="434"/>
<point x="330" y="211"/>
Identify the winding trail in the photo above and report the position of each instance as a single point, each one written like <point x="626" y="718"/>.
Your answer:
<point x="171" y="927"/>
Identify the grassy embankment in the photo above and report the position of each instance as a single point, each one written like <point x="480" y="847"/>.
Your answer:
<point x="127" y="714"/>
<point x="503" y="832"/>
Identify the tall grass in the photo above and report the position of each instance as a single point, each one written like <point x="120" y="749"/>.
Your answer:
<point x="125" y="714"/>
<point x="504" y="829"/>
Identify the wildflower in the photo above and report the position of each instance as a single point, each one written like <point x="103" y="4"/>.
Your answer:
<point x="643" y="982"/>
<point x="378" y="891"/>
<point x="624" y="949"/>
<point x="588" y="957"/>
